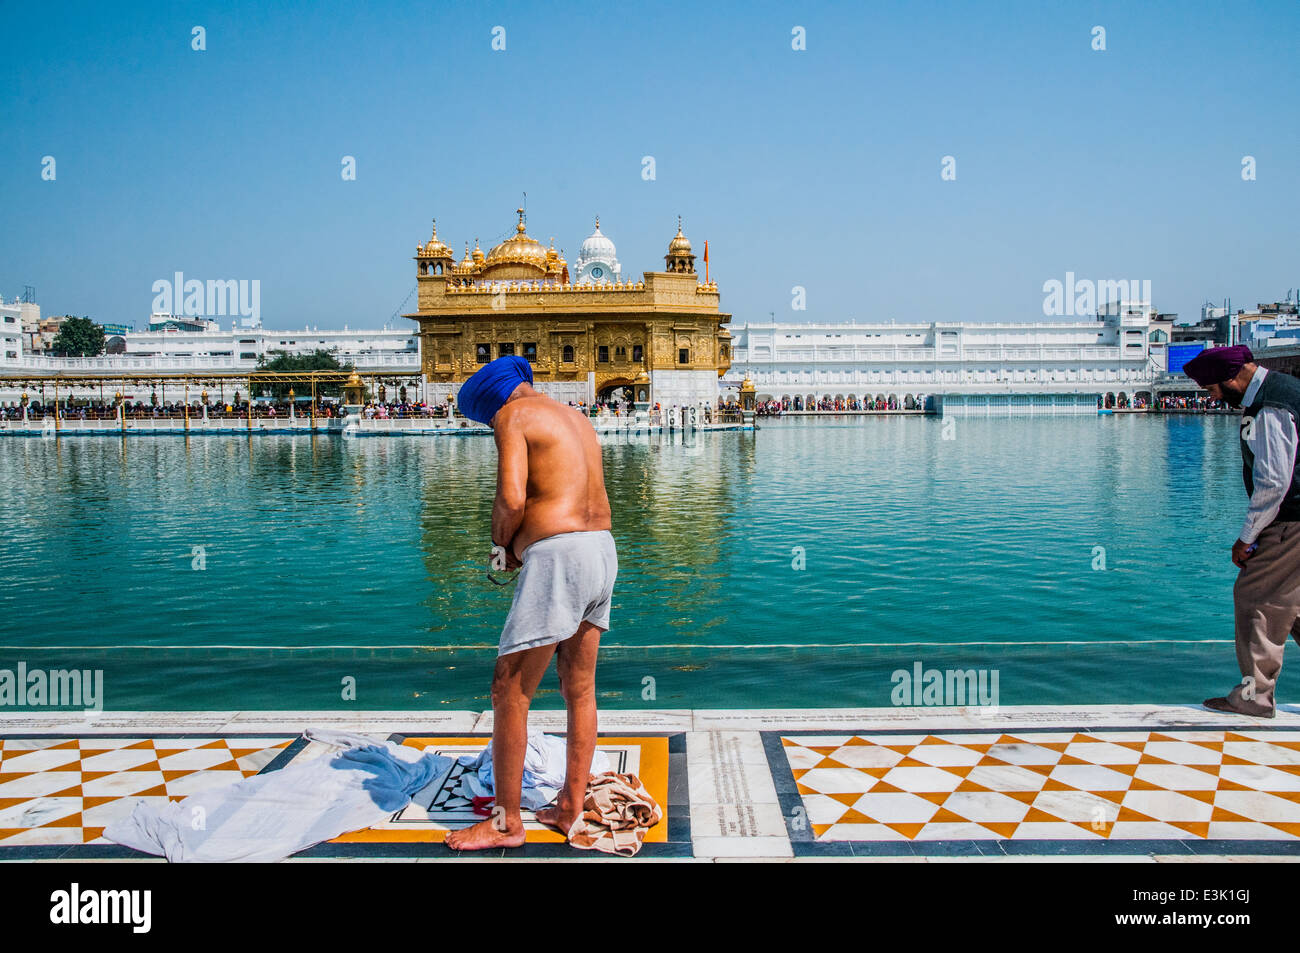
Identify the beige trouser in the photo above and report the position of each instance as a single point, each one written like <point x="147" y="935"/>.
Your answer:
<point x="1267" y="600"/>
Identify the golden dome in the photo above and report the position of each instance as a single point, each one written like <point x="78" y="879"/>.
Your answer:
<point x="556" y="266"/>
<point x="478" y="253"/>
<point x="466" y="265"/>
<point x="434" y="248"/>
<point x="680" y="245"/>
<point x="519" y="249"/>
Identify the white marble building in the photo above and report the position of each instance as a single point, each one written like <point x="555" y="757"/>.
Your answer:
<point x="1122" y="350"/>
<point x="238" y="349"/>
<point x="11" y="333"/>
<point x="394" y="349"/>
<point x="597" y="260"/>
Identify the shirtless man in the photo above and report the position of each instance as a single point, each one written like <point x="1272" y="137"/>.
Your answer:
<point x="552" y="517"/>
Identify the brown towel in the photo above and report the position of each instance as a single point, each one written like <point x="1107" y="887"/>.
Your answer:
<point x="616" y="814"/>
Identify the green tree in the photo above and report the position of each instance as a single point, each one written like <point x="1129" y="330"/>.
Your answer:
<point x="317" y="360"/>
<point x="78" y="337"/>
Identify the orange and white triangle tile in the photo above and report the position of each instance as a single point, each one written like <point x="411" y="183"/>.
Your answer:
<point x="1049" y="785"/>
<point x="67" y="790"/>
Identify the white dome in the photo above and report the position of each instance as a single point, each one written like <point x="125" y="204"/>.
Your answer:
<point x="598" y="248"/>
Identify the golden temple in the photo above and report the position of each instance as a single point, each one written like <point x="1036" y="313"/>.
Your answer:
<point x="585" y="335"/>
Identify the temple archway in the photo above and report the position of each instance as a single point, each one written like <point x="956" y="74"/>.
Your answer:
<point x="610" y="388"/>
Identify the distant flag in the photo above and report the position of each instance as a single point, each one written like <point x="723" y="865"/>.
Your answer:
<point x="706" y="262"/>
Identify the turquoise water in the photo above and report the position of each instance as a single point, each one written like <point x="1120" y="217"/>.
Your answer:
<point x="326" y="559"/>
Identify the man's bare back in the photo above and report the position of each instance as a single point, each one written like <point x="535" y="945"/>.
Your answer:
<point x="549" y="474"/>
<point x="551" y="497"/>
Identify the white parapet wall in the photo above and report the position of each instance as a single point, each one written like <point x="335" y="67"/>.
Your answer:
<point x="684" y="388"/>
<point x="566" y="392"/>
<point x="196" y="426"/>
<point x="605" y="425"/>
<point x="1017" y="405"/>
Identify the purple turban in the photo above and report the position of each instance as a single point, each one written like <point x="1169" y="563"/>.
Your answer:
<point x="491" y="385"/>
<point x="1217" y="364"/>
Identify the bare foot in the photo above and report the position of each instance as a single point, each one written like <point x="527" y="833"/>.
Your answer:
<point x="561" y="817"/>
<point x="484" y="836"/>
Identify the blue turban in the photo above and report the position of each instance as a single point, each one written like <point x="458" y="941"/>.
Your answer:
<point x="491" y="385"/>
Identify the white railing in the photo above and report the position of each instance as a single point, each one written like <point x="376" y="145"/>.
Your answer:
<point x="399" y="359"/>
<point x="394" y="360"/>
<point x="195" y="425"/>
<point x="955" y="381"/>
<point x="398" y="424"/>
<point x="892" y="355"/>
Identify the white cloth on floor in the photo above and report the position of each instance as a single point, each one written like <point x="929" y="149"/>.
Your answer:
<point x="544" y="765"/>
<point x="270" y="816"/>
<point x="337" y="738"/>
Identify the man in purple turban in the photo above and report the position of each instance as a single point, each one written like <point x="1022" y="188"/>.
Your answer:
<point x="1266" y="595"/>
<point x="551" y="517"/>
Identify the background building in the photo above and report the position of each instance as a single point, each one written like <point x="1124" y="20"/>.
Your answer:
<point x="1212" y="330"/>
<point x="386" y="350"/>
<point x="12" y="331"/>
<point x="1123" y="349"/>
<point x="180" y="322"/>
<point x="1270" y="325"/>
<point x="595" y="335"/>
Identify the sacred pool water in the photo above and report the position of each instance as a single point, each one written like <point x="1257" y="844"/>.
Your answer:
<point x="1080" y="560"/>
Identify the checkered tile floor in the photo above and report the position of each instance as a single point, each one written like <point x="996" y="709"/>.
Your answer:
<point x="66" y="791"/>
<point x="1049" y="785"/>
<point x="836" y="790"/>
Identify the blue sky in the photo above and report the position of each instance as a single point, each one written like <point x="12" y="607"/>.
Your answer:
<point x="818" y="168"/>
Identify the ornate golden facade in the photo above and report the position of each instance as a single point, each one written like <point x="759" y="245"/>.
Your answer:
<point x="518" y="299"/>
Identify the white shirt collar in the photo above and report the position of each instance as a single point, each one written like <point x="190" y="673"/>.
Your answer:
<point x="1256" y="381"/>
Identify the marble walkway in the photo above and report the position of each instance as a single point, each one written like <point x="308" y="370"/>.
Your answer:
<point x="1108" y="783"/>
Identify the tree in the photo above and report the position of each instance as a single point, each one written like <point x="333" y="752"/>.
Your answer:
<point x="288" y="363"/>
<point x="78" y="337"/>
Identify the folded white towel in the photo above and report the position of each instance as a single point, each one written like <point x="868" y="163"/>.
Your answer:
<point x="544" y="768"/>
